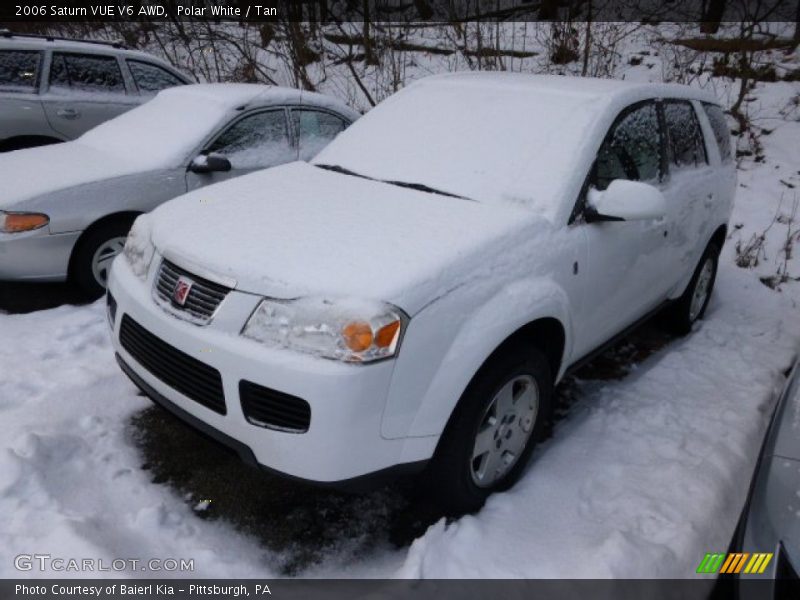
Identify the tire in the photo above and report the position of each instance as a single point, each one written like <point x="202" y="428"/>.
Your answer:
<point x="460" y="476"/>
<point x="93" y="255"/>
<point x="691" y="306"/>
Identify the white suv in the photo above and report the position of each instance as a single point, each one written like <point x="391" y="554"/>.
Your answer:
<point x="410" y="298"/>
<point x="54" y="89"/>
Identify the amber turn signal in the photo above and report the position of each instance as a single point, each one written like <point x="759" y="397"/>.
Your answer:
<point x="386" y="335"/>
<point x="17" y="222"/>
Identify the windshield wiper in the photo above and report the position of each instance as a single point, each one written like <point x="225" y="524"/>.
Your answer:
<point x="343" y="171"/>
<point x="421" y="187"/>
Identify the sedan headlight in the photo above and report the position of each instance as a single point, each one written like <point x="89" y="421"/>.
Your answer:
<point x="351" y="331"/>
<point x="139" y="249"/>
<point x="15" y="222"/>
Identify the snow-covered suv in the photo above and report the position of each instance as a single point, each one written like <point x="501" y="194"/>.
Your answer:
<point x="410" y="298"/>
<point x="53" y="89"/>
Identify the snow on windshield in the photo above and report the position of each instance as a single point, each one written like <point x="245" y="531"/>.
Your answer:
<point x="512" y="142"/>
<point x="161" y="132"/>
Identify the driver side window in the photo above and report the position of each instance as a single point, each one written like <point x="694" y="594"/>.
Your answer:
<point x="632" y="150"/>
<point x="256" y="141"/>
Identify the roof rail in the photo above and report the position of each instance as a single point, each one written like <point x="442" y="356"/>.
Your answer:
<point x="5" y="33"/>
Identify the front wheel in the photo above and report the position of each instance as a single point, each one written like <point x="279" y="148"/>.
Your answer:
<point x="691" y="306"/>
<point x="493" y="430"/>
<point x="92" y="259"/>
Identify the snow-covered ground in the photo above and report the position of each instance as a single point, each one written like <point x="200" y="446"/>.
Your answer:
<point x="641" y="478"/>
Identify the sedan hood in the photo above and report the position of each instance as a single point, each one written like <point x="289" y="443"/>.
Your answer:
<point x="300" y="230"/>
<point x="37" y="171"/>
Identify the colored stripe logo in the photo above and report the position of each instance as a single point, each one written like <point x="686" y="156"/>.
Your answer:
<point x="735" y="562"/>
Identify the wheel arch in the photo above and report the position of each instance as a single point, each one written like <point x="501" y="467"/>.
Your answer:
<point x="719" y="236"/>
<point x="533" y="312"/>
<point x="117" y="217"/>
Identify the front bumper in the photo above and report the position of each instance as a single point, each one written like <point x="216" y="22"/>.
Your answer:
<point x="36" y="255"/>
<point x="343" y="443"/>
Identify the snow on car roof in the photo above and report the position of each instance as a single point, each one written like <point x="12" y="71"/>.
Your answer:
<point x="494" y="137"/>
<point x="22" y="42"/>
<point x="233" y="95"/>
<point x="161" y="132"/>
<point x="587" y="86"/>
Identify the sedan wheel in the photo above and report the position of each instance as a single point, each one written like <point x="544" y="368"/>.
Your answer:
<point x="91" y="260"/>
<point x="103" y="256"/>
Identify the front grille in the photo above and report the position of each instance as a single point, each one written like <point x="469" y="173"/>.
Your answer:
<point x="203" y="299"/>
<point x="267" y="408"/>
<point x="189" y="376"/>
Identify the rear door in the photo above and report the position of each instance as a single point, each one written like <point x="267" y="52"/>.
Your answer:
<point x="314" y="129"/>
<point x="85" y="90"/>
<point x="689" y="188"/>
<point x="257" y="140"/>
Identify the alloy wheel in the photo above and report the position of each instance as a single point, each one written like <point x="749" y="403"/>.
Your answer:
<point x="504" y="430"/>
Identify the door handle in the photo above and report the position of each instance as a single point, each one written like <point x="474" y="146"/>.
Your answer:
<point x="68" y="113"/>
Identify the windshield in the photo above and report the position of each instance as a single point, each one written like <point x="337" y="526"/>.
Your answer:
<point x="162" y="131"/>
<point x="510" y="142"/>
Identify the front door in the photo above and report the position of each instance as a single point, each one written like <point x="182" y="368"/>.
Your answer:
<point x="257" y="140"/>
<point x="627" y="259"/>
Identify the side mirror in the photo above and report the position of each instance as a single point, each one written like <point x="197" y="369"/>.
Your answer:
<point x="625" y="200"/>
<point x="209" y="163"/>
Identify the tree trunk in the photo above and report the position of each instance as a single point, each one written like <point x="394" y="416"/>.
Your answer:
<point x="712" y="16"/>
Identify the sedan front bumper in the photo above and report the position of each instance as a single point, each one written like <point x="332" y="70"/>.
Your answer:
<point x="36" y="255"/>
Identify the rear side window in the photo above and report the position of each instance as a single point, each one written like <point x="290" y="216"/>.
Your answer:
<point x="721" y="132"/>
<point x="151" y="78"/>
<point x="684" y="138"/>
<point x="19" y="70"/>
<point x="632" y="149"/>
<point x="86" y="73"/>
<point x="315" y="130"/>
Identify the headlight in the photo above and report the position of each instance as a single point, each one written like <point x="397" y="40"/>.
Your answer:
<point x="352" y="331"/>
<point x="15" y="222"/>
<point x="139" y="250"/>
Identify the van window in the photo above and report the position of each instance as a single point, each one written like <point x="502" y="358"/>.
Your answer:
<point x="86" y="73"/>
<point x="151" y="78"/>
<point x="632" y="150"/>
<point x="721" y="132"/>
<point x="685" y="146"/>
<point x="19" y="70"/>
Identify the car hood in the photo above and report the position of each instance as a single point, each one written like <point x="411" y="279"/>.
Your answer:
<point x="37" y="171"/>
<point x="300" y="230"/>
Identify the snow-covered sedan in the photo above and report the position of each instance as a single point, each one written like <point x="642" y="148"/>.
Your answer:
<point x="409" y="299"/>
<point x="66" y="209"/>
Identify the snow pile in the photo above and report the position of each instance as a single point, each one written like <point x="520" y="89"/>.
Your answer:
<point x="70" y="479"/>
<point x="646" y="474"/>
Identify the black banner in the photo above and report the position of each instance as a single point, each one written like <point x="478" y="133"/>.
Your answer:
<point x="398" y="10"/>
<point x="542" y="589"/>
